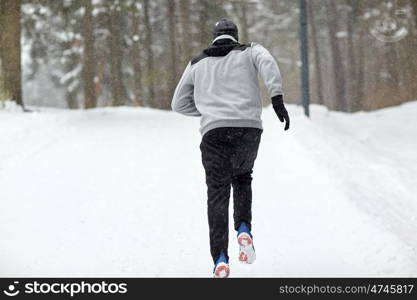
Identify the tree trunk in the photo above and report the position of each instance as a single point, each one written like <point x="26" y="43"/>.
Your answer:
<point x="352" y="67"/>
<point x="317" y="58"/>
<point x="88" y="72"/>
<point x="203" y="19"/>
<point x="412" y="39"/>
<point x="116" y="57"/>
<point x="71" y="99"/>
<point x="187" y="35"/>
<point x="149" y="54"/>
<point x="137" y="68"/>
<point x="391" y="61"/>
<point x="414" y="5"/>
<point x="241" y="11"/>
<point x="337" y="62"/>
<point x="10" y="51"/>
<point x="358" y="102"/>
<point x="172" y="80"/>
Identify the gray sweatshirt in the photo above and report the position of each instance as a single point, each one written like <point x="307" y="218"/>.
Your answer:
<point x="224" y="90"/>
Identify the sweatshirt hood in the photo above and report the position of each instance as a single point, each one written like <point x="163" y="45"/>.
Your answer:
<point x="221" y="45"/>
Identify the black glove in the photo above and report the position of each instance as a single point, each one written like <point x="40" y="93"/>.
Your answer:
<point x="278" y="105"/>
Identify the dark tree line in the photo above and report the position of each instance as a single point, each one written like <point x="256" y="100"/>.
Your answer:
<point x="132" y="52"/>
<point x="353" y="69"/>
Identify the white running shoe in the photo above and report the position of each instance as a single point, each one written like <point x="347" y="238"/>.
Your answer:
<point x="246" y="250"/>
<point x="221" y="268"/>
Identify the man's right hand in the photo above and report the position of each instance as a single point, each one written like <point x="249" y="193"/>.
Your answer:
<point x="280" y="110"/>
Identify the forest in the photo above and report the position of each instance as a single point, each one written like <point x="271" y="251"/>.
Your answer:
<point x="81" y="54"/>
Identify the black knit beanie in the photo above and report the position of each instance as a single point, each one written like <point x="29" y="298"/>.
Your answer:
<point x="225" y="26"/>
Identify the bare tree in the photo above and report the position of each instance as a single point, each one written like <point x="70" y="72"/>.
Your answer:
<point x="336" y="56"/>
<point x="317" y="59"/>
<point x="116" y="55"/>
<point x="352" y="64"/>
<point x="241" y="11"/>
<point x="187" y="34"/>
<point x="171" y="16"/>
<point x="136" y="56"/>
<point x="148" y="52"/>
<point x="357" y="102"/>
<point x="10" y="49"/>
<point x="414" y="6"/>
<point x="88" y="71"/>
<point x="412" y="45"/>
<point x="203" y="18"/>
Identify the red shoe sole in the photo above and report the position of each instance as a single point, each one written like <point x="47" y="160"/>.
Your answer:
<point x="244" y="241"/>
<point x="246" y="251"/>
<point x="222" y="271"/>
<point x="243" y="257"/>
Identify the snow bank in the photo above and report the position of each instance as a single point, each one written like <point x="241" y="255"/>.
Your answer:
<point x="120" y="192"/>
<point x="10" y="106"/>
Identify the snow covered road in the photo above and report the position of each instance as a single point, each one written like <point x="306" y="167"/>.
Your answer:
<point x="120" y="192"/>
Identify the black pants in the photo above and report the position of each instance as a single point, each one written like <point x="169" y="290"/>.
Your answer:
<point x="228" y="156"/>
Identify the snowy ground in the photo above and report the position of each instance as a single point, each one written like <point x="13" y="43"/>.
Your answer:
<point x="120" y="192"/>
